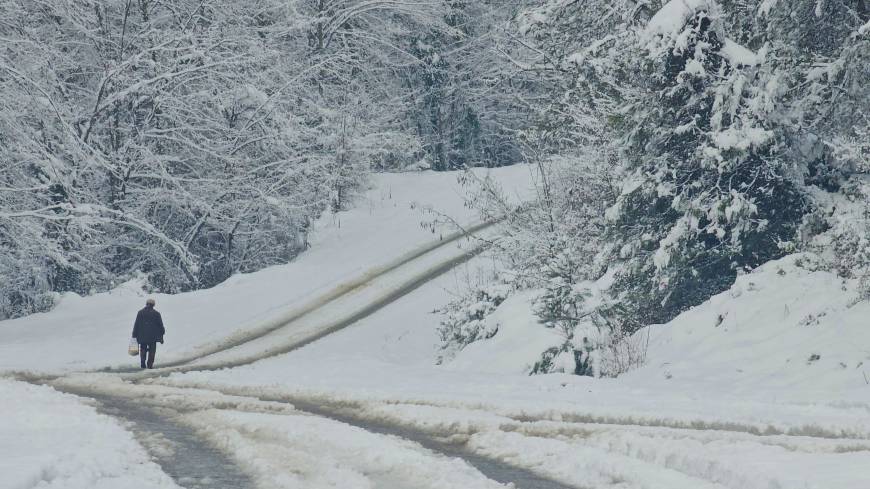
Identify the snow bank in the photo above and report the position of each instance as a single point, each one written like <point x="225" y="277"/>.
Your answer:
<point x="517" y="345"/>
<point x="50" y="440"/>
<point x="787" y="329"/>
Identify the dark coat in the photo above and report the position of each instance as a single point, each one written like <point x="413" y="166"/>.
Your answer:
<point x="148" y="327"/>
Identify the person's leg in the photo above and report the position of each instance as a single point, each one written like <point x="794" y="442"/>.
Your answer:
<point x="152" y="351"/>
<point x="143" y="350"/>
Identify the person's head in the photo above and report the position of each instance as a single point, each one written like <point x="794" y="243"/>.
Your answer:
<point x="150" y="302"/>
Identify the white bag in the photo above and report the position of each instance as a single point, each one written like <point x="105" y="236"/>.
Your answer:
<point x="133" y="349"/>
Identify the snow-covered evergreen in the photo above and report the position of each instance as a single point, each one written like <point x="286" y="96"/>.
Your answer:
<point x="708" y="137"/>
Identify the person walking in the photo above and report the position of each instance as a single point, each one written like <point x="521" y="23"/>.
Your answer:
<point x="148" y="331"/>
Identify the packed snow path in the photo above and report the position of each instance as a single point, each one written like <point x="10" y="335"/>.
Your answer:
<point x="178" y="450"/>
<point x="340" y="307"/>
<point x="601" y="452"/>
<point x="165" y="418"/>
<point x="489" y="466"/>
<point x="576" y="451"/>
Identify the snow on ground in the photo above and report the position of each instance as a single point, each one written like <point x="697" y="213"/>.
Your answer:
<point x="764" y="386"/>
<point x="50" y="440"/>
<point x="308" y="452"/>
<point x="282" y="448"/>
<point x="90" y="332"/>
<point x="773" y="323"/>
<point x="342" y="309"/>
<point x="787" y="331"/>
<point x="677" y="460"/>
<point x="735" y="405"/>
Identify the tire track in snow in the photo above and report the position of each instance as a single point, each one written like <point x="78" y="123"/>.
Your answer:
<point x="804" y="431"/>
<point x="656" y="452"/>
<point x="580" y="419"/>
<point x="490" y="467"/>
<point x="187" y="363"/>
<point x="151" y="407"/>
<point x="176" y="448"/>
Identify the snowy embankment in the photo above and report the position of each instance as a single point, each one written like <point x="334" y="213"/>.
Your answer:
<point x="53" y="441"/>
<point x="788" y="330"/>
<point x="387" y="222"/>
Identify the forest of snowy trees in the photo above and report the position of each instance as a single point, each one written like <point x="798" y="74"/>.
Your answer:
<point x="678" y="143"/>
<point x="188" y="140"/>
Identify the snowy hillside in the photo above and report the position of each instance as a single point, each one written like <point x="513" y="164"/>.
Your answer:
<point x="788" y="330"/>
<point x="389" y="221"/>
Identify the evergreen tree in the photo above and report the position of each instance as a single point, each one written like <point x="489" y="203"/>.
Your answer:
<point x="709" y="192"/>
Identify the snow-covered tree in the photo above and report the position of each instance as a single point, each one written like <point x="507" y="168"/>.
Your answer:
<point x="720" y="126"/>
<point x="192" y="140"/>
<point x="708" y="190"/>
<point x="466" y="106"/>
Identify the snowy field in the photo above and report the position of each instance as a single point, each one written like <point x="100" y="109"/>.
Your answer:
<point x="764" y="386"/>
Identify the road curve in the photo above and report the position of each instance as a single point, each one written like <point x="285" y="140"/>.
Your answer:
<point x="438" y="256"/>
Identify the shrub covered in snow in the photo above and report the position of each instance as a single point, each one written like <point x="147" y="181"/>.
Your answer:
<point x="839" y="231"/>
<point x="465" y="318"/>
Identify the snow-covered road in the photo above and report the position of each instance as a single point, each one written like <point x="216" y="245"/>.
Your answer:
<point x="225" y="421"/>
<point x="281" y="444"/>
<point x="337" y="309"/>
<point x="298" y="441"/>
